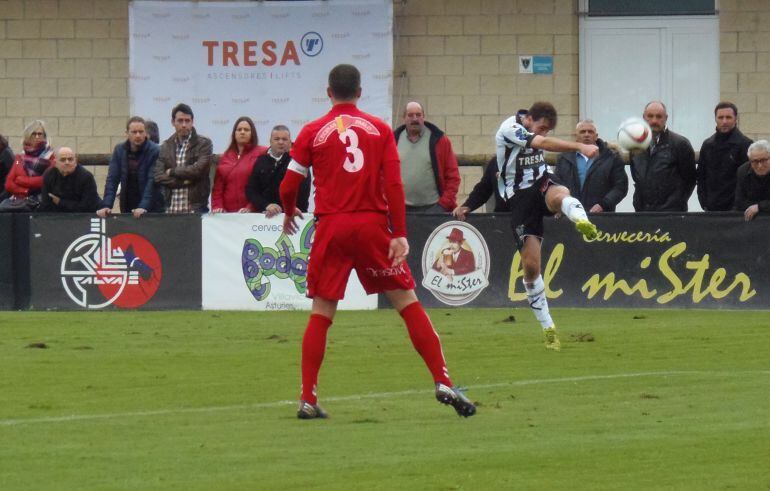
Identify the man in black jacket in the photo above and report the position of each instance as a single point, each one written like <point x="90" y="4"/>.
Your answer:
<point x="720" y="156"/>
<point x="664" y="174"/>
<point x="752" y="192"/>
<point x="262" y="190"/>
<point x="68" y="187"/>
<point x="599" y="183"/>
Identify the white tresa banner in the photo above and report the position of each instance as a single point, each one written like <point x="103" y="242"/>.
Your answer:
<point x="250" y="264"/>
<point x="266" y="60"/>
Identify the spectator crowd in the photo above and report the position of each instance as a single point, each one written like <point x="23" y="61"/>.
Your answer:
<point x="146" y="175"/>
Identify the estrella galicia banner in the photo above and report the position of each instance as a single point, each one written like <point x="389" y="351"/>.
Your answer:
<point x="638" y="260"/>
<point x="250" y="264"/>
<point x="85" y="262"/>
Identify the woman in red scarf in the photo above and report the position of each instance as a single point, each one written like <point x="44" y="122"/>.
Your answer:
<point x="25" y="180"/>
<point x="234" y="169"/>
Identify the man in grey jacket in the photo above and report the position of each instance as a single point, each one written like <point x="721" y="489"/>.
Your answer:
<point x="600" y="183"/>
<point x="183" y="165"/>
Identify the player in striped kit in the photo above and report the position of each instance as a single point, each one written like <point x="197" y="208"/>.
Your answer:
<point x="531" y="193"/>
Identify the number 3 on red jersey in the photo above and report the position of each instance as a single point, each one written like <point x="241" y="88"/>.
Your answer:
<point x="350" y="138"/>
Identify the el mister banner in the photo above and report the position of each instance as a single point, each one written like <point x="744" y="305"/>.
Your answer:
<point x="638" y="260"/>
<point x="85" y="262"/>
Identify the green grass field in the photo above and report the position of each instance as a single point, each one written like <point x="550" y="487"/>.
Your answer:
<point x="206" y="401"/>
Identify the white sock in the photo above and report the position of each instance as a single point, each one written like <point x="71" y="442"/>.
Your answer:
<point x="537" y="301"/>
<point x="572" y="209"/>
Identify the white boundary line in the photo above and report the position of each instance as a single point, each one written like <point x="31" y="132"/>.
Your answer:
<point x="375" y="395"/>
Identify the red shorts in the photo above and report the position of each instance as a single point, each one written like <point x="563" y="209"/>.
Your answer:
<point x="359" y="241"/>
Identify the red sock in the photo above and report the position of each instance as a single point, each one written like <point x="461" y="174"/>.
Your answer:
<point x="313" y="349"/>
<point x="426" y="341"/>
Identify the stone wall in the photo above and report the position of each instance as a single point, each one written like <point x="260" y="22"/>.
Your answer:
<point x="745" y="62"/>
<point x="66" y="62"/>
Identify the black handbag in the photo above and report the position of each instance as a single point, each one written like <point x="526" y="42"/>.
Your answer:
<point x="19" y="205"/>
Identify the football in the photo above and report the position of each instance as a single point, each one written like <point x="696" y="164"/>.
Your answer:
<point x="634" y="134"/>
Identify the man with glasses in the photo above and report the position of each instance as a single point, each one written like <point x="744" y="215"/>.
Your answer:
<point x="752" y="191"/>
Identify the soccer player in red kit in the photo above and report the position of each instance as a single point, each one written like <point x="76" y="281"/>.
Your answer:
<point x="360" y="224"/>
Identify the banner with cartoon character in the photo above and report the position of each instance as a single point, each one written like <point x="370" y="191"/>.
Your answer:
<point x="638" y="260"/>
<point x="459" y="263"/>
<point x="85" y="262"/>
<point x="250" y="264"/>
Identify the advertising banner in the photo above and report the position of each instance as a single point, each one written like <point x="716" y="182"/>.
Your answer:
<point x="658" y="260"/>
<point x="266" y="60"/>
<point x="250" y="264"/>
<point x="85" y="262"/>
<point x="460" y="263"/>
<point x="638" y="260"/>
<point x="7" y="290"/>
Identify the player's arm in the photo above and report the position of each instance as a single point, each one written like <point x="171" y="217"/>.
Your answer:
<point x="394" y="189"/>
<point x="394" y="194"/>
<point x="553" y="144"/>
<point x="295" y="175"/>
<point x="481" y="192"/>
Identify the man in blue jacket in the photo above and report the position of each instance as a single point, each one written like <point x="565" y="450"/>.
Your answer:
<point x="132" y="165"/>
<point x="600" y="183"/>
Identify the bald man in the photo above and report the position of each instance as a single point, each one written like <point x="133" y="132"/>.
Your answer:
<point x="68" y="186"/>
<point x="428" y="163"/>
<point x="664" y="174"/>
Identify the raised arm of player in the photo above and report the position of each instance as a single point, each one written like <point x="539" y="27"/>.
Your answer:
<point x="553" y="144"/>
<point x="295" y="174"/>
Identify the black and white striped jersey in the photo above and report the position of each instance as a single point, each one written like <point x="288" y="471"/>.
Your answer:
<point x="519" y="164"/>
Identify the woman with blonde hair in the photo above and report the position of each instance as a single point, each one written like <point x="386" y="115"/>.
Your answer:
<point x="25" y="179"/>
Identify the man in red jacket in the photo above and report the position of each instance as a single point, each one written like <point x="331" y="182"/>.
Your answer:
<point x="428" y="164"/>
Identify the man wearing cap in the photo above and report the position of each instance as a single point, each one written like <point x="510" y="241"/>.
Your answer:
<point x="454" y="258"/>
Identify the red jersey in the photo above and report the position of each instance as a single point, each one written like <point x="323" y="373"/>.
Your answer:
<point x="354" y="157"/>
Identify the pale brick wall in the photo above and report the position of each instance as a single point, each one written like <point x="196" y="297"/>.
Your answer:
<point x="66" y="61"/>
<point x="460" y="59"/>
<point x="745" y="62"/>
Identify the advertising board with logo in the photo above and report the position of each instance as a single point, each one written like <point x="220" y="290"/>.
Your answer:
<point x="266" y="60"/>
<point x="455" y="263"/>
<point x="459" y="263"/>
<point x="657" y="260"/>
<point x="250" y="264"/>
<point x="85" y="262"/>
<point x="638" y="260"/>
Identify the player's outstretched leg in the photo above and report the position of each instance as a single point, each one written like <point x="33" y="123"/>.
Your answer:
<point x="313" y="349"/>
<point x="573" y="210"/>
<point x="539" y="305"/>
<point x="428" y="345"/>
